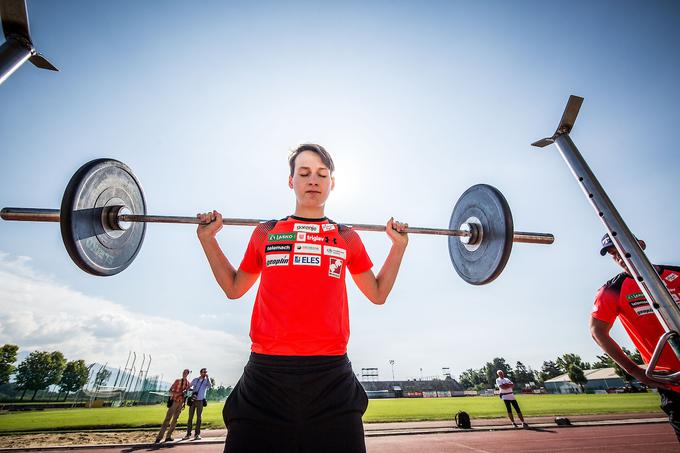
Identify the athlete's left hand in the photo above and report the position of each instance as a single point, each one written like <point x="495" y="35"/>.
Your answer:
<point x="397" y="232"/>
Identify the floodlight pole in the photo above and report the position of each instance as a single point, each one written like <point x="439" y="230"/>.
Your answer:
<point x="639" y="266"/>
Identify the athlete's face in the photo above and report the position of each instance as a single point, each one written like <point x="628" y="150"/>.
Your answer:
<point x="311" y="180"/>
<point x="617" y="258"/>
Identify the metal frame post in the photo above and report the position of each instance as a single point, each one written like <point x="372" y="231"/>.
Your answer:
<point x="639" y="266"/>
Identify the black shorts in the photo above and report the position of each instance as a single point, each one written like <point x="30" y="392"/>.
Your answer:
<point x="296" y="404"/>
<point x="670" y="404"/>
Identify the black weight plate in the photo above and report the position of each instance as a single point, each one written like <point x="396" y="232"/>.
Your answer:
<point x="483" y="265"/>
<point x="93" y="247"/>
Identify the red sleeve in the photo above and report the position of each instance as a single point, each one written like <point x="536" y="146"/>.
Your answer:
<point x="358" y="260"/>
<point x="606" y="307"/>
<point x="252" y="259"/>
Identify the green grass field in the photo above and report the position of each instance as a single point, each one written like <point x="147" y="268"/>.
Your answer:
<point x="387" y="410"/>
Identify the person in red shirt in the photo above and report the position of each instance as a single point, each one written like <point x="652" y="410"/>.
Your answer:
<point x="298" y="392"/>
<point x="177" y="391"/>
<point x="621" y="298"/>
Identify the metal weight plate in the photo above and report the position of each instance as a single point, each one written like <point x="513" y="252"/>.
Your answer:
<point x="91" y="243"/>
<point x="482" y="262"/>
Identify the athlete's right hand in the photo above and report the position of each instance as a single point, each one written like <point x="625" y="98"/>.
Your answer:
<point x="650" y="382"/>
<point x="211" y="224"/>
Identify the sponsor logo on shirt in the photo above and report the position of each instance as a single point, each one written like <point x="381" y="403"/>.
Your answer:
<point x="306" y="227"/>
<point x="307" y="248"/>
<point x="278" y="248"/>
<point x="277" y="259"/>
<point x="301" y="237"/>
<point x="634" y="296"/>
<point x="315" y="238"/>
<point x="671" y="277"/>
<point x="335" y="251"/>
<point x="280" y="237"/>
<point x="638" y="303"/>
<point x="328" y="226"/>
<point x="643" y="310"/>
<point x="675" y="297"/>
<point x="335" y="267"/>
<point x="307" y="260"/>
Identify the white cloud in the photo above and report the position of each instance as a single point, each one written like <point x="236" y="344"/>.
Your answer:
<point x="39" y="313"/>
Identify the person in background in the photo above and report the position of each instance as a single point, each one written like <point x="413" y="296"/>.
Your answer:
<point x="176" y="404"/>
<point x="197" y="401"/>
<point x="505" y="386"/>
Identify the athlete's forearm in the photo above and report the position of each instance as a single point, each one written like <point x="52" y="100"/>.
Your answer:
<point x="600" y="333"/>
<point x="222" y="269"/>
<point x="388" y="273"/>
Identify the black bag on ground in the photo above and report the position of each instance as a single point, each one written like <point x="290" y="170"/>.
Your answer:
<point x="463" y="420"/>
<point x="562" y="421"/>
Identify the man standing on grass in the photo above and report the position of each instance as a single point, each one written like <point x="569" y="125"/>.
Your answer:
<point x="505" y="386"/>
<point x="177" y="391"/>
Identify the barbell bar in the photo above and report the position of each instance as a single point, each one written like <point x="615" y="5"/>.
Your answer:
<point x="53" y="215"/>
<point x="103" y="222"/>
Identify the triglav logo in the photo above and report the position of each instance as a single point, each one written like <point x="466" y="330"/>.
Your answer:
<point x="306" y="227"/>
<point x="275" y="259"/>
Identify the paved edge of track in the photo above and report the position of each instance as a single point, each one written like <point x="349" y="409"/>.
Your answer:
<point x="369" y="433"/>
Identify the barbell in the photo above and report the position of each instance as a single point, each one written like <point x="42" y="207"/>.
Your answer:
<point x="103" y="222"/>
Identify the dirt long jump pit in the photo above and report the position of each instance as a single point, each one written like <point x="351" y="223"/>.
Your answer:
<point x="653" y="435"/>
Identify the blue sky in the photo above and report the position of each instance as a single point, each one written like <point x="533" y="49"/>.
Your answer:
<point x="416" y="101"/>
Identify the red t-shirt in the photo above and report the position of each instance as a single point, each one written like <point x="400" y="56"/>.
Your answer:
<point x="301" y="303"/>
<point x="621" y="297"/>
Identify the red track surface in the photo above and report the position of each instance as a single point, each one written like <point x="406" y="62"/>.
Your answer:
<point x="654" y="437"/>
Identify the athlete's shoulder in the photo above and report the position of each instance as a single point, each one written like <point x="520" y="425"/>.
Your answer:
<point x="614" y="285"/>
<point x="666" y="267"/>
<point x="261" y="230"/>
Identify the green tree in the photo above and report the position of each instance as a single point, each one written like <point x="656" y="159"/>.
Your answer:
<point x="549" y="370"/>
<point x="576" y="376"/>
<point x="498" y="363"/>
<point x="58" y="367"/>
<point x="523" y="375"/>
<point x="571" y="359"/>
<point x="102" y="377"/>
<point x="34" y="373"/>
<point x="8" y="355"/>
<point x="470" y="378"/>
<point x="74" y="377"/>
<point x="604" y="361"/>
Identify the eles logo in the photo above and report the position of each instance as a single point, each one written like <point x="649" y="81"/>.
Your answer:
<point x="306" y="260"/>
<point x="277" y="259"/>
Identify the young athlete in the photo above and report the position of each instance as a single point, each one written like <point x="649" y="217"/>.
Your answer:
<point x="621" y="298"/>
<point x="298" y="392"/>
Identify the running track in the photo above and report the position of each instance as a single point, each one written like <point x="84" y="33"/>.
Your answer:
<point x="652" y="437"/>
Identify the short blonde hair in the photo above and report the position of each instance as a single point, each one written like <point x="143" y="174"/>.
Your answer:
<point x="313" y="147"/>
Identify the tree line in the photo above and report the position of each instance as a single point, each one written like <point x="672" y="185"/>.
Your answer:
<point x="41" y="369"/>
<point x="525" y="377"/>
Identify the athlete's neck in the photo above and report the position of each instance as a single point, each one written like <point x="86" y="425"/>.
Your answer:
<point x="309" y="212"/>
